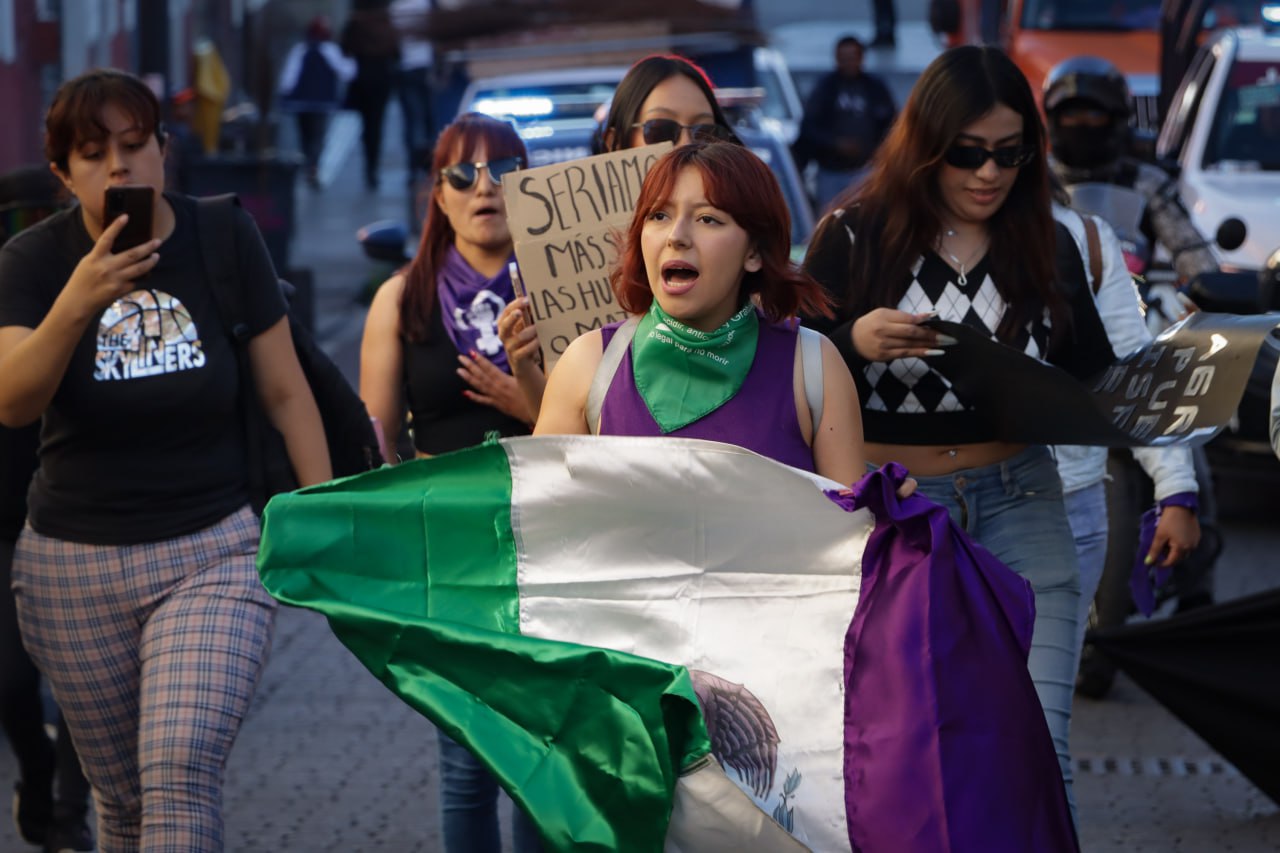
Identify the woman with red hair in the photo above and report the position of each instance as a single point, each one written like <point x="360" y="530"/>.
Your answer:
<point x="714" y="348"/>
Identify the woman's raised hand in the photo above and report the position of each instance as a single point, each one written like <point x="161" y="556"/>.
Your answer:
<point x="102" y="276"/>
<point x="519" y="338"/>
<point x="884" y="334"/>
<point x="493" y="387"/>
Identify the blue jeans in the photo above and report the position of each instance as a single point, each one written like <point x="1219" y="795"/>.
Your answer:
<point x="1087" y="514"/>
<point x="1015" y="510"/>
<point x="469" y="806"/>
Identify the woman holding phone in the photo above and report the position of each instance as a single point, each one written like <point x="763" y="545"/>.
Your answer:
<point x="430" y="346"/>
<point x="135" y="578"/>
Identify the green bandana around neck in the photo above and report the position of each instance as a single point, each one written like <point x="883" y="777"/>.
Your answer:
<point x="684" y="374"/>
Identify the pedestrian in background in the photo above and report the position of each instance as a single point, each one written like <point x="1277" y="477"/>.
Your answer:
<point x="312" y="82"/>
<point x="955" y="220"/>
<point x="1088" y="109"/>
<point x="135" y="579"/>
<point x="413" y="89"/>
<point x="370" y="38"/>
<point x="847" y="116"/>
<point x="1084" y="469"/>
<point x="430" y="344"/>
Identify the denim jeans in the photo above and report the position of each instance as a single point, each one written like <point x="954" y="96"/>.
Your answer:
<point x="1087" y="514"/>
<point x="469" y="806"/>
<point x="1015" y="510"/>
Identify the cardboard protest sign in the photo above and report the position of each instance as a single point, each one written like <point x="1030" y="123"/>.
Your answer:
<point x="566" y="220"/>
<point x="1182" y="388"/>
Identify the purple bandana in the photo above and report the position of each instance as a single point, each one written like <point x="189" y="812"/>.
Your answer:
<point x="470" y="305"/>
<point x="1145" y="580"/>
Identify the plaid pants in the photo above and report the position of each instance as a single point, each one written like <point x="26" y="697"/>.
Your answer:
<point x="152" y="652"/>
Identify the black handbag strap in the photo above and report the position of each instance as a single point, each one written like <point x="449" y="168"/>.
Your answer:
<point x="216" y="226"/>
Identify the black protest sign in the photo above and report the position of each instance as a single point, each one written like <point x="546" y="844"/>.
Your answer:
<point x="1182" y="388"/>
<point x="567" y="220"/>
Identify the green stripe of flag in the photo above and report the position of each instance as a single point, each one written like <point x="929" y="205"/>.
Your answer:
<point x="589" y="741"/>
<point x="455" y="519"/>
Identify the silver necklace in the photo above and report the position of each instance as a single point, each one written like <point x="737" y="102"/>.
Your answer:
<point x="961" y="279"/>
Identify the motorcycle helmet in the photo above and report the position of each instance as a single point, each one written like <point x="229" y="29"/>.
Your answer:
<point x="1086" y="100"/>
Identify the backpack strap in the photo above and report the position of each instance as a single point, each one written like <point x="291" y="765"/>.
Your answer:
<point x="216" y="226"/>
<point x="1095" y="251"/>
<point x="215" y="223"/>
<point x="811" y="364"/>
<point x="608" y="366"/>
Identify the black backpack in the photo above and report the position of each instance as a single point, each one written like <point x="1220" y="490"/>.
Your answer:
<point x="353" y="444"/>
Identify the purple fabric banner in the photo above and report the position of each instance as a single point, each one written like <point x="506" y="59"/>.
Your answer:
<point x="947" y="750"/>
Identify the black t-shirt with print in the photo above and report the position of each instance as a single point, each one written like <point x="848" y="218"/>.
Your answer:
<point x="143" y="439"/>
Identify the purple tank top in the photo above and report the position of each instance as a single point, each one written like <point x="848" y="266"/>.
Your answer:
<point x="761" y="417"/>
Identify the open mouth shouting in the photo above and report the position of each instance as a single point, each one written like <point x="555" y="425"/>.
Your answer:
<point x="678" y="277"/>
<point x="486" y="211"/>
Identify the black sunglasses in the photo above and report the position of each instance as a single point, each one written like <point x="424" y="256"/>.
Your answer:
<point x="463" y="176"/>
<point x="657" y="130"/>
<point x="975" y="156"/>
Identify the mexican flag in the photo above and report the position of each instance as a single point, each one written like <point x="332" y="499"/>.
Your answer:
<point x="669" y="642"/>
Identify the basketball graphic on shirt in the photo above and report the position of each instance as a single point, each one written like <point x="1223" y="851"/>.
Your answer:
<point x="146" y="333"/>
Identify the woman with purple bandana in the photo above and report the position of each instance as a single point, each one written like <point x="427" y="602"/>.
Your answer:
<point x="431" y="345"/>
<point x="430" y="340"/>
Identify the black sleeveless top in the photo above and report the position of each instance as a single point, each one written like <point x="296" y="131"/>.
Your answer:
<point x="443" y="419"/>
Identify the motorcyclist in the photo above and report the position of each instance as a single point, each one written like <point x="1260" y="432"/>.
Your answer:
<point x="1086" y="101"/>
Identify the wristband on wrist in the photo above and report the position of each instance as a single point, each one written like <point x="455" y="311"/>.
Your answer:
<point x="1189" y="500"/>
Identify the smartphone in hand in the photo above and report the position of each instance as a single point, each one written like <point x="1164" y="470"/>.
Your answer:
<point x="517" y="284"/>
<point x="136" y="201"/>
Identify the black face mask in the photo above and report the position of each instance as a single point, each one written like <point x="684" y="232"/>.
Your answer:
<point x="1086" y="147"/>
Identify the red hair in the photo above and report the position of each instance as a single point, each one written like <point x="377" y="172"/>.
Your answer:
<point x="739" y="183"/>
